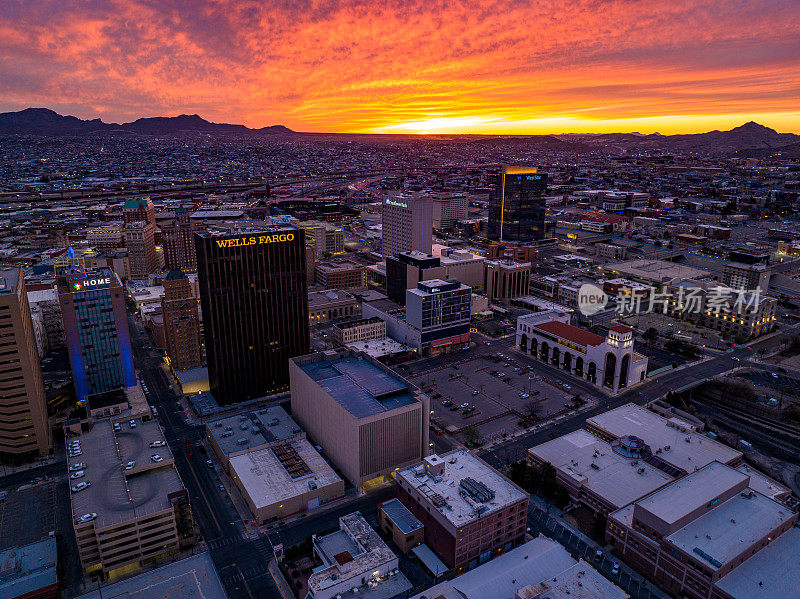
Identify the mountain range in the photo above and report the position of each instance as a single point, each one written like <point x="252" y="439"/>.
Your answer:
<point x="750" y="139"/>
<point x="43" y="121"/>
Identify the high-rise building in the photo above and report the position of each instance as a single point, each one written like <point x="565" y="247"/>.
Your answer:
<point x="178" y="241"/>
<point x="253" y="294"/>
<point x="96" y="327"/>
<point x="141" y="243"/>
<point x="449" y="208"/>
<point x="24" y="432"/>
<point x="440" y="310"/>
<point x="139" y="209"/>
<point x="517" y="205"/>
<point x="181" y="322"/>
<point x="405" y="270"/>
<point x="406" y="224"/>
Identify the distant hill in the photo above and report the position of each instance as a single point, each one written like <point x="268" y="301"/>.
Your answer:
<point x="43" y="121"/>
<point x="790" y="151"/>
<point x="748" y="139"/>
<point x="745" y="137"/>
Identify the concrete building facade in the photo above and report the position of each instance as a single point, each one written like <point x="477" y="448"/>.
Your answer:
<point x="406" y="224"/>
<point x="369" y="420"/>
<point x="24" y="429"/>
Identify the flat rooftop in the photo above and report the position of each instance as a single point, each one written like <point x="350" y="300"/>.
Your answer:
<point x="193" y="577"/>
<point x="728" y="529"/>
<point x="353" y="552"/>
<point x="274" y="474"/>
<point x="772" y="573"/>
<point x="117" y="495"/>
<point x="28" y="515"/>
<point x="28" y="568"/>
<point x="540" y="560"/>
<point x="444" y="491"/>
<point x="329" y="296"/>
<point x="761" y="483"/>
<point x="660" y="271"/>
<point x="401" y="516"/>
<point x="379" y="347"/>
<point x="592" y="464"/>
<point x="688" y="450"/>
<point x="359" y="386"/>
<point x="691" y="492"/>
<point x="257" y="428"/>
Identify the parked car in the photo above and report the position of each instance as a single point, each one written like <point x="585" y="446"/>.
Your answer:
<point x="78" y="474"/>
<point x="209" y="463"/>
<point x="117" y="427"/>
<point x="130" y="465"/>
<point x="464" y="405"/>
<point x="221" y="487"/>
<point x="132" y="423"/>
<point x="156" y="458"/>
<point x="86" y="518"/>
<point x="81" y="486"/>
<point x="76" y="467"/>
<point x="158" y="444"/>
<point x="598" y="555"/>
<point x="615" y="569"/>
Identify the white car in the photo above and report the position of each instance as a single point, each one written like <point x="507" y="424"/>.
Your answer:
<point x="78" y="474"/>
<point x="74" y="454"/>
<point x="133" y="423"/>
<point x="76" y="467"/>
<point x="86" y="518"/>
<point x="158" y="444"/>
<point x="117" y="427"/>
<point x="130" y="465"/>
<point x="81" y="486"/>
<point x="156" y="458"/>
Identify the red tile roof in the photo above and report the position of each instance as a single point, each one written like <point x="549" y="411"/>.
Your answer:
<point x="620" y="328"/>
<point x="571" y="333"/>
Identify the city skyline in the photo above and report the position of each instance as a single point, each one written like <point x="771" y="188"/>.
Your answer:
<point x="400" y="68"/>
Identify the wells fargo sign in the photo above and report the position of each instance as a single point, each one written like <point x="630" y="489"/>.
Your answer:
<point x="257" y="240"/>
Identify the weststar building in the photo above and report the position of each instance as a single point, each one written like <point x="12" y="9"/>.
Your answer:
<point x="255" y="308"/>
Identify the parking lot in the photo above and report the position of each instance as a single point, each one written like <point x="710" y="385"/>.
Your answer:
<point x="493" y="395"/>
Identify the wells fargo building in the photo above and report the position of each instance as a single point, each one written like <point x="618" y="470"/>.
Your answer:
<point x="255" y="308"/>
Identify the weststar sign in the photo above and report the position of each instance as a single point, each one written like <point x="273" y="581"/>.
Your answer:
<point x="258" y="240"/>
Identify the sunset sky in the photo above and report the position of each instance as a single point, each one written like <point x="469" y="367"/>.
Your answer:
<point x="410" y="66"/>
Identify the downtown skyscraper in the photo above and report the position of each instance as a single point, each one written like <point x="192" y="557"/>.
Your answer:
<point x="254" y="299"/>
<point x="517" y="205"/>
<point x="96" y="327"/>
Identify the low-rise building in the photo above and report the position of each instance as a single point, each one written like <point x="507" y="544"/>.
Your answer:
<point x="358" y="330"/>
<point x="284" y="479"/>
<point x="355" y="563"/>
<point x="470" y="512"/>
<point x="29" y="571"/>
<point x="332" y="304"/>
<point x="504" y="280"/>
<point x="396" y="520"/>
<point x="698" y="536"/>
<point x="608" y="362"/>
<point x="344" y="274"/>
<point x="539" y="569"/>
<point x="250" y="431"/>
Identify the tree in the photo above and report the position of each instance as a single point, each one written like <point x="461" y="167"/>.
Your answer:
<point x="650" y="335"/>
<point x="532" y="409"/>
<point x="577" y="400"/>
<point x="471" y="434"/>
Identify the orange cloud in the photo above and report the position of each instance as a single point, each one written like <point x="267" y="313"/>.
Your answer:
<point x="409" y="66"/>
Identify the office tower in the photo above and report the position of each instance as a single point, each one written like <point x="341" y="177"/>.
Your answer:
<point x="404" y="271"/>
<point x="181" y="322"/>
<point x="24" y="433"/>
<point x="138" y="210"/>
<point x="141" y="244"/>
<point x="177" y="238"/>
<point x="253" y="294"/>
<point x="440" y="310"/>
<point x="406" y="224"/>
<point x="96" y="327"/>
<point x="517" y="205"/>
